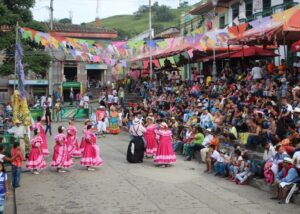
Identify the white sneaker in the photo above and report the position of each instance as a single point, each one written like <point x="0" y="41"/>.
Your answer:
<point x="35" y="173"/>
<point x="90" y="169"/>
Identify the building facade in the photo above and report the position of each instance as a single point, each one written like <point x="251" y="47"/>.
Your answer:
<point x="65" y="72"/>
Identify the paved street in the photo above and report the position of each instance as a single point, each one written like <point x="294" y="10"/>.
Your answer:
<point x="119" y="187"/>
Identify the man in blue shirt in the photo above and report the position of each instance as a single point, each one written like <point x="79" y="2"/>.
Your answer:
<point x="285" y="179"/>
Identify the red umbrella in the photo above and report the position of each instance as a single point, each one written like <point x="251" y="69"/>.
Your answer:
<point x="253" y="52"/>
<point x="296" y="46"/>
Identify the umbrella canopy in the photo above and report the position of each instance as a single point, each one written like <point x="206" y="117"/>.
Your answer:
<point x="253" y="52"/>
<point x="289" y="18"/>
<point x="296" y="46"/>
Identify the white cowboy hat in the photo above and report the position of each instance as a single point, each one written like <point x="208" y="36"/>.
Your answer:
<point x="136" y="121"/>
<point x="288" y="160"/>
<point x="297" y="110"/>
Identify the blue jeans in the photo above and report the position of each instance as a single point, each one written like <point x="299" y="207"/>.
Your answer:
<point x="219" y="168"/>
<point x="177" y="145"/>
<point x="252" y="142"/>
<point x="2" y="202"/>
<point x="16" y="175"/>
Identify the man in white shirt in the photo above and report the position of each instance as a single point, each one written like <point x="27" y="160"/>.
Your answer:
<point x="206" y="142"/>
<point x="269" y="152"/>
<point x="19" y="132"/>
<point x="49" y="101"/>
<point x="256" y="72"/>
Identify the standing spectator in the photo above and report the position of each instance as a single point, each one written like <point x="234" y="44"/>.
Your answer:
<point x="19" y="133"/>
<point x="71" y="96"/>
<point x="58" y="108"/>
<point x="49" y="101"/>
<point x="16" y="164"/>
<point x="256" y="72"/>
<point x="48" y="121"/>
<point x="121" y="95"/>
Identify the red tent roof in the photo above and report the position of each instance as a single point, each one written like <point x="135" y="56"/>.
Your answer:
<point x="296" y="46"/>
<point x="253" y="51"/>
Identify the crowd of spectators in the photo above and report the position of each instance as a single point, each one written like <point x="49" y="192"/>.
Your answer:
<point x="229" y="118"/>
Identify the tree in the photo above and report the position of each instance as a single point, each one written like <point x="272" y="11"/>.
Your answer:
<point x="184" y="4"/>
<point x="163" y="14"/>
<point x="158" y="28"/>
<point x="65" y="21"/>
<point x="35" y="59"/>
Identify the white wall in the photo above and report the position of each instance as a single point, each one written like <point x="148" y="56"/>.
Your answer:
<point x="276" y="2"/>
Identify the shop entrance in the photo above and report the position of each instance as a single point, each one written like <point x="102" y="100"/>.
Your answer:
<point x="95" y="77"/>
<point x="70" y="74"/>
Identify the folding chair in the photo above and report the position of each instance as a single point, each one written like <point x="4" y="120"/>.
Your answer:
<point x="293" y="190"/>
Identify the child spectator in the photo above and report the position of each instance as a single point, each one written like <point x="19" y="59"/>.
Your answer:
<point x="219" y="165"/>
<point x="2" y="156"/>
<point x="212" y="157"/>
<point x="16" y="165"/>
<point x="245" y="172"/>
<point x="3" y="187"/>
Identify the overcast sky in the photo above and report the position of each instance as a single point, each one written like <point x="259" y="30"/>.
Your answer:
<point x="85" y="10"/>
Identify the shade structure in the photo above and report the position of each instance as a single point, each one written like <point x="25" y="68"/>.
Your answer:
<point x="296" y="46"/>
<point x="254" y="52"/>
<point x="290" y="18"/>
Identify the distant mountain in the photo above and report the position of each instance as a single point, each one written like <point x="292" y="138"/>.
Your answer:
<point x="129" y="26"/>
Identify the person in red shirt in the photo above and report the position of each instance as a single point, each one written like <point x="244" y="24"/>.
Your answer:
<point x="16" y="164"/>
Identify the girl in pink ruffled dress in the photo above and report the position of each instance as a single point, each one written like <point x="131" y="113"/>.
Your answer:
<point x="82" y="143"/>
<point x="91" y="153"/>
<point x="150" y="137"/>
<point x="36" y="159"/>
<point x="44" y="145"/>
<point x="72" y="141"/>
<point x="165" y="154"/>
<point x="61" y="157"/>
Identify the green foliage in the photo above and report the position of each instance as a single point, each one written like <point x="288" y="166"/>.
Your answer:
<point x="163" y="14"/>
<point x="35" y="58"/>
<point x="158" y="27"/>
<point x="65" y="21"/>
<point x="184" y="4"/>
<point x="128" y="26"/>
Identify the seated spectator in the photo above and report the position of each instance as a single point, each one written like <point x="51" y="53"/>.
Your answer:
<point x="212" y="157"/>
<point x="245" y="170"/>
<point x="236" y="164"/>
<point x="296" y="157"/>
<point x="269" y="152"/>
<point x="219" y="165"/>
<point x="195" y="145"/>
<point x="278" y="159"/>
<point x="188" y="140"/>
<point x="285" y="179"/>
<point x="254" y="133"/>
<point x="206" y="142"/>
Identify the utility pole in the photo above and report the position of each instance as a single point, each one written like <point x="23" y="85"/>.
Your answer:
<point x="150" y="38"/>
<point x="51" y="14"/>
<point x="17" y="39"/>
<point x="50" y="81"/>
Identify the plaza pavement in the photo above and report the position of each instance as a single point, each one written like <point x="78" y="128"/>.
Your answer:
<point x="119" y="187"/>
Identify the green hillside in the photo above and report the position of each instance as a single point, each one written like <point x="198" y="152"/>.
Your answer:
<point x="129" y="25"/>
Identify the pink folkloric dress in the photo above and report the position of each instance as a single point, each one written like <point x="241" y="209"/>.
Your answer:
<point x="82" y="143"/>
<point x="151" y="142"/>
<point x="36" y="158"/>
<point x="44" y="145"/>
<point x="165" y="153"/>
<point x="72" y="142"/>
<point x="61" y="157"/>
<point x="91" y="152"/>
